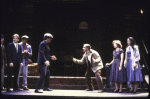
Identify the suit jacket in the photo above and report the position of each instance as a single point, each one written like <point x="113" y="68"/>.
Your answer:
<point x="3" y="56"/>
<point x="98" y="61"/>
<point x="43" y="53"/>
<point x="12" y="55"/>
<point x="28" y="47"/>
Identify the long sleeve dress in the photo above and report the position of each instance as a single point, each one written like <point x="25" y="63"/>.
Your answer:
<point x="132" y="58"/>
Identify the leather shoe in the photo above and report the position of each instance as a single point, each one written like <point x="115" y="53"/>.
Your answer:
<point x="8" y="90"/>
<point x="17" y="89"/>
<point x="38" y="91"/>
<point x="25" y="88"/>
<point x="89" y="89"/>
<point x="47" y="89"/>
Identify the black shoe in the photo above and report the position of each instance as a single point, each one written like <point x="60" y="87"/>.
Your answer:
<point x="8" y="90"/>
<point x="89" y="89"/>
<point x="47" y="89"/>
<point x="25" y="88"/>
<point x="17" y="89"/>
<point x="37" y="91"/>
<point x="131" y="91"/>
<point x="134" y="92"/>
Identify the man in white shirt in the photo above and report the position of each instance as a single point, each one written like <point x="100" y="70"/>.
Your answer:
<point x="94" y="64"/>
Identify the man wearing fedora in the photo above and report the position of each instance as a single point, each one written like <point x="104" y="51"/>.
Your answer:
<point x="43" y="62"/>
<point x="3" y="61"/>
<point x="94" y="64"/>
<point x="26" y="54"/>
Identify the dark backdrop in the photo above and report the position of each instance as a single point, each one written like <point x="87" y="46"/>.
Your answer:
<point x="106" y="21"/>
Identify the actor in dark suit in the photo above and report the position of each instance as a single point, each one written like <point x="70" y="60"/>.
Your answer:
<point x="14" y="59"/>
<point x="43" y="62"/>
<point x="3" y="61"/>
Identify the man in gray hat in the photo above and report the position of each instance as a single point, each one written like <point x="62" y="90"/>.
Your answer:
<point x="94" y="64"/>
<point x="3" y="61"/>
<point x="26" y="53"/>
<point x="43" y="62"/>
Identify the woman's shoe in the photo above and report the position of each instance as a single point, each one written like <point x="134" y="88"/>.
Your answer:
<point x="131" y="91"/>
<point x="120" y="91"/>
<point x="116" y="90"/>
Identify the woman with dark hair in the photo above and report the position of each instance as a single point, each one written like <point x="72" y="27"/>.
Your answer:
<point x="117" y="71"/>
<point x="131" y="63"/>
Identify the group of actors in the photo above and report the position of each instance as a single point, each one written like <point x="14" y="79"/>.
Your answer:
<point x="121" y="70"/>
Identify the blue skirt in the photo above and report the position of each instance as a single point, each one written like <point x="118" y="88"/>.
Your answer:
<point x="115" y="74"/>
<point x="133" y="75"/>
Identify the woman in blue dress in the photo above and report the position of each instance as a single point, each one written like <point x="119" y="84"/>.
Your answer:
<point x="117" y="71"/>
<point x="131" y="63"/>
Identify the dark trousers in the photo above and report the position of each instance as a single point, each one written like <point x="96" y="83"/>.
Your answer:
<point x="98" y="79"/>
<point x="44" y="77"/>
<point x="13" y="70"/>
<point x="107" y="72"/>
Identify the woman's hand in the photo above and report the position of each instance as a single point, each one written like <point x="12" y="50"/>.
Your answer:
<point x="108" y="64"/>
<point x="120" y="68"/>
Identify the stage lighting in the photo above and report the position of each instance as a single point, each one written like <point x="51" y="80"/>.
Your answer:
<point x="141" y="11"/>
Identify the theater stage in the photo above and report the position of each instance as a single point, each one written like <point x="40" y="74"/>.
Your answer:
<point x="72" y="93"/>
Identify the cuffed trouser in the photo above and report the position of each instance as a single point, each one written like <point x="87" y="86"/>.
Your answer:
<point x="98" y="79"/>
<point x="24" y="70"/>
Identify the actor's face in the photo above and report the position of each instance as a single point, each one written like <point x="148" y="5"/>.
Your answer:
<point x="2" y="40"/>
<point x="24" y="41"/>
<point x="128" y="42"/>
<point x="15" y="39"/>
<point x="49" y="40"/>
<point x="84" y="48"/>
<point x="115" y="45"/>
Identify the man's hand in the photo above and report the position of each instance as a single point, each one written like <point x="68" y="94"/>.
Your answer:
<point x="47" y="63"/>
<point x="53" y="58"/>
<point x="11" y="64"/>
<point x="74" y="60"/>
<point x="93" y="60"/>
<point x="25" y="51"/>
<point x="21" y="64"/>
<point x="5" y="65"/>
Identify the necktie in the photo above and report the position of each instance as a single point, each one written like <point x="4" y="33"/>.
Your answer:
<point x="17" y="47"/>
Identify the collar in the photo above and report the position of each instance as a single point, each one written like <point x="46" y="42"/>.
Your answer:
<point x="22" y="44"/>
<point x="90" y="52"/>
<point x="15" y="43"/>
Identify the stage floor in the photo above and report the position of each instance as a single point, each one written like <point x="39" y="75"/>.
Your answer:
<point x="72" y="93"/>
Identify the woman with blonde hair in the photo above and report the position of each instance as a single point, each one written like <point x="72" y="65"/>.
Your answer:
<point x="117" y="71"/>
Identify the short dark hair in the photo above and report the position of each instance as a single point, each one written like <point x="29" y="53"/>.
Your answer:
<point x="88" y="47"/>
<point x="45" y="37"/>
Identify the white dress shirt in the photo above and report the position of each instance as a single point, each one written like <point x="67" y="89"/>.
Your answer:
<point x="89" y="57"/>
<point x="16" y="46"/>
